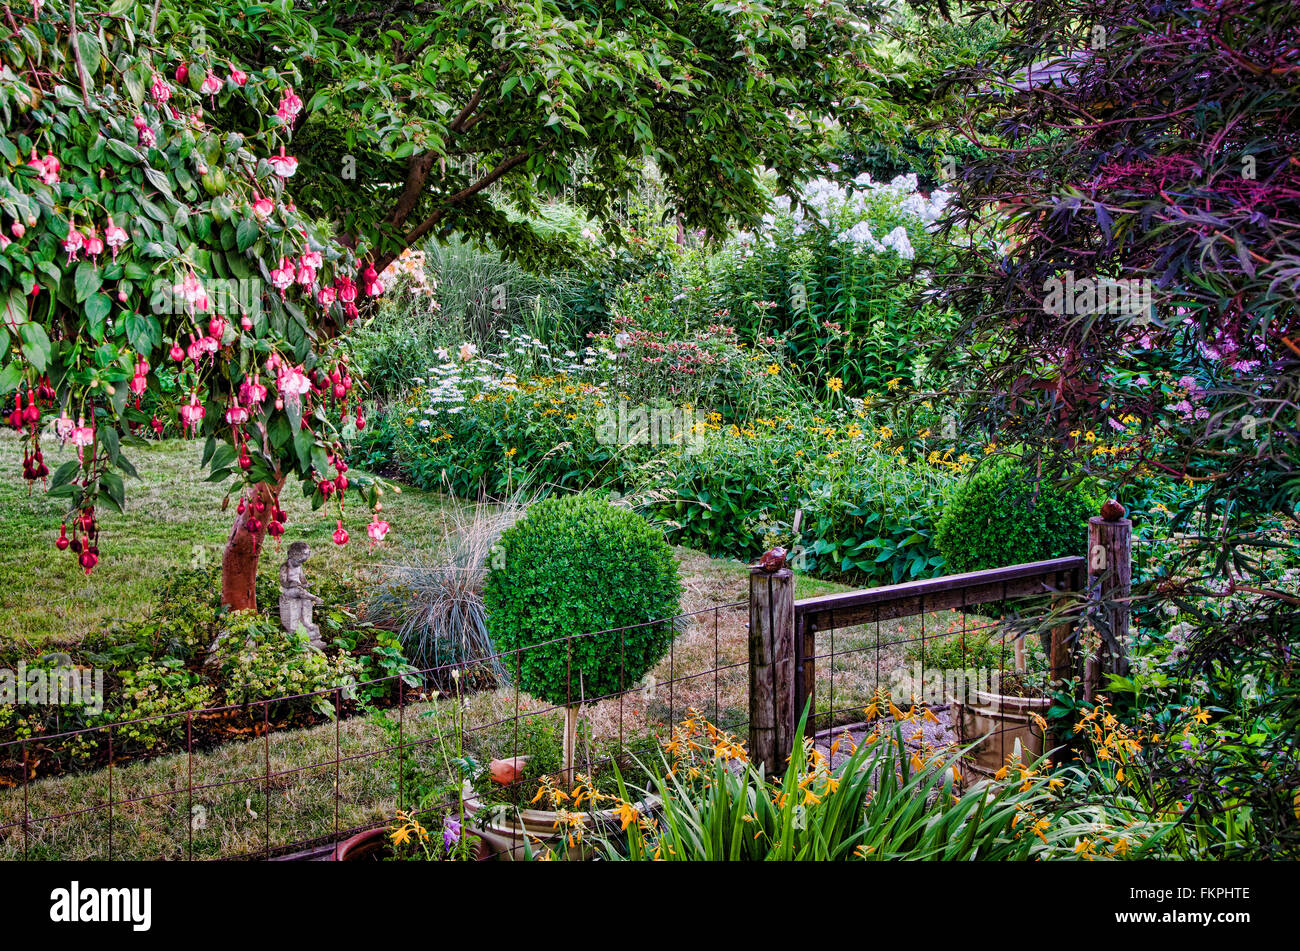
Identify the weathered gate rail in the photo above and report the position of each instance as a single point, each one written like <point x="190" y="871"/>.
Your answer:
<point x="783" y="630"/>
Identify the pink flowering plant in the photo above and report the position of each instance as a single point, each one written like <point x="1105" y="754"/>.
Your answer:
<point x="154" y="271"/>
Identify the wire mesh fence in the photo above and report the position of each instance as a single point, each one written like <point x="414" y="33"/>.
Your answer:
<point x="299" y="791"/>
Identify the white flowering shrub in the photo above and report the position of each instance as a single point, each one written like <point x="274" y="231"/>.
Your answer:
<point x="837" y="275"/>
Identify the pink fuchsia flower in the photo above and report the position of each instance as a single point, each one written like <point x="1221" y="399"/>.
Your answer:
<point x="147" y="137"/>
<point x="211" y="84"/>
<point x="373" y="286"/>
<point x="290" y="106"/>
<point x="292" y="382"/>
<point x="191" y="290"/>
<point x="283" y="165"/>
<point x="306" y="275"/>
<point x="312" y="259"/>
<point x="236" y="414"/>
<point x="114" y="237"/>
<point x="340" y="534"/>
<point x="94" y="243"/>
<point x="347" y="290"/>
<point x="82" y="436"/>
<point x="200" y="347"/>
<point x="73" y="243"/>
<point x="63" y="427"/>
<point x="183" y="73"/>
<point x="377" y="529"/>
<point x="237" y="76"/>
<point x="327" y="296"/>
<point x="47" y="168"/>
<point x="252" y="391"/>
<point x="283" y="275"/>
<point x="262" y="207"/>
<point x="139" y="382"/>
<point x="160" y="90"/>
<point x="192" y="413"/>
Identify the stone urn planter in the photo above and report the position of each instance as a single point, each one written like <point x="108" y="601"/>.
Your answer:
<point x="1000" y="723"/>
<point x="508" y="832"/>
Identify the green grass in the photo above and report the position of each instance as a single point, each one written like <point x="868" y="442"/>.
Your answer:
<point x="173" y="518"/>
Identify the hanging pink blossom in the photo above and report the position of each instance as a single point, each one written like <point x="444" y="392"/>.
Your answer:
<point x="94" y="243"/>
<point x="252" y="391"/>
<point x="160" y="90"/>
<point x="340" y="534"/>
<point x="237" y="76"/>
<point x="47" y="168"/>
<point x="82" y="436"/>
<point x="63" y="427"/>
<point x="73" y="243"/>
<point x="262" y="207"/>
<point x="283" y="165"/>
<point x="290" y="106"/>
<point x="192" y="413"/>
<point x="236" y="414"/>
<point x="292" y="382"/>
<point x="114" y="237"/>
<point x="191" y="291"/>
<point x="211" y="84"/>
<point x="327" y="296"/>
<point x="283" y="275"/>
<point x="377" y="529"/>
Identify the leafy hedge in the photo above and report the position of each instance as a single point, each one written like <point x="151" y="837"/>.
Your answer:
<point x="1001" y="516"/>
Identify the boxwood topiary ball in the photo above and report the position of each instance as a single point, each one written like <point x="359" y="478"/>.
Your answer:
<point x="572" y="566"/>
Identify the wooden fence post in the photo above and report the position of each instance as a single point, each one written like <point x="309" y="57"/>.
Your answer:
<point x="1110" y="572"/>
<point x="771" y="668"/>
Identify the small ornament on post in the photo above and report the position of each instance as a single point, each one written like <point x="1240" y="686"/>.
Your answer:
<point x="296" y="602"/>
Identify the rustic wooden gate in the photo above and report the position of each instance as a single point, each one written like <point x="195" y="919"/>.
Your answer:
<point x="783" y="630"/>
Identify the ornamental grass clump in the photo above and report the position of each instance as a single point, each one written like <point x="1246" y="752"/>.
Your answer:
<point x="433" y="598"/>
<point x="580" y="599"/>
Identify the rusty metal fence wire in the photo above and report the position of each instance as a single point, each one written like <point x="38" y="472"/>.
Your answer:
<point x="705" y="672"/>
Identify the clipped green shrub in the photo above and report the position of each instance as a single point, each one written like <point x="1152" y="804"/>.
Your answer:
<point x="575" y="565"/>
<point x="1002" y="516"/>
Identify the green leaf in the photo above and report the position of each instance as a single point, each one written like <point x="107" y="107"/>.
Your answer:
<point x="246" y="234"/>
<point x="36" y="346"/>
<point x="97" y="309"/>
<point x="88" y="280"/>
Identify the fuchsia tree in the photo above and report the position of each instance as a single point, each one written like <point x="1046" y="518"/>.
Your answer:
<point x="139" y="243"/>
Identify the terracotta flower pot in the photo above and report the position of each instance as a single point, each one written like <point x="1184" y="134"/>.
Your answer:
<point x="369" y="845"/>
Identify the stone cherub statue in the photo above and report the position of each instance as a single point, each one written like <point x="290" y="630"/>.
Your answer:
<point x="296" y="602"/>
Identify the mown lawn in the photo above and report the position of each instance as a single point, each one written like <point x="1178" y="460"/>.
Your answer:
<point x="173" y="518"/>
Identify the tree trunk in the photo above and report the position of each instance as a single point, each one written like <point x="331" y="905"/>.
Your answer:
<point x="244" y="548"/>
